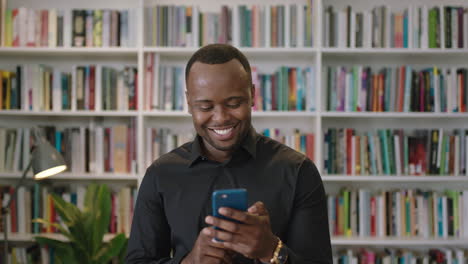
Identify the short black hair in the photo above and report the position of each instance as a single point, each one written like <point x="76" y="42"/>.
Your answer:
<point x="218" y="54"/>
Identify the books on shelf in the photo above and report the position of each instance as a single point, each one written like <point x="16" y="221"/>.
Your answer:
<point x="398" y="213"/>
<point x="93" y="149"/>
<point x="38" y="87"/>
<point x="27" y="27"/>
<point x="36" y="202"/>
<point x="414" y="26"/>
<point x="397" y="255"/>
<point x="290" y="25"/>
<point x="303" y="142"/>
<point x="396" y="152"/>
<point x="287" y="89"/>
<point x="163" y="140"/>
<point x="396" y="89"/>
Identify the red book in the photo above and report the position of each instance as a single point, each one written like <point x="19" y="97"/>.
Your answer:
<point x="92" y="87"/>
<point x="401" y="89"/>
<point x="310" y="146"/>
<point x="349" y="151"/>
<point x="13" y="211"/>
<point x="15" y="20"/>
<point x="45" y="28"/>
<point x="373" y="217"/>
<point x="113" y="224"/>
<point x="129" y="148"/>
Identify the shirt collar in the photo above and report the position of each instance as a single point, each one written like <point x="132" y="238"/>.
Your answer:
<point x="249" y="143"/>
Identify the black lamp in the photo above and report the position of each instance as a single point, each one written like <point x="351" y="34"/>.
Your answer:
<point x="45" y="161"/>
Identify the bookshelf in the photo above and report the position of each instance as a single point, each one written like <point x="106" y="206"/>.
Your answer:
<point x="317" y="121"/>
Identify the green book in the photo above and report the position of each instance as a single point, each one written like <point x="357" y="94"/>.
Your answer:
<point x="432" y="27"/>
<point x="385" y="149"/>
<point x="442" y="155"/>
<point x="346" y="215"/>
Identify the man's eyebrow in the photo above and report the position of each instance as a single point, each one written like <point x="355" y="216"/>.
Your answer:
<point x="235" y="98"/>
<point x="203" y="101"/>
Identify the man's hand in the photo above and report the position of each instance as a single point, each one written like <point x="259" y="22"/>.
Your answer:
<point x="252" y="237"/>
<point x="208" y="251"/>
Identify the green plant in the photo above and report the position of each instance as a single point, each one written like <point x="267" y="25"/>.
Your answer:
<point x="85" y="230"/>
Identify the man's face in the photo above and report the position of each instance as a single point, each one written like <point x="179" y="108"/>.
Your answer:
<point x="220" y="98"/>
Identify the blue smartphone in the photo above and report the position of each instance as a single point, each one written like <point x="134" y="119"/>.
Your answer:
<point x="232" y="198"/>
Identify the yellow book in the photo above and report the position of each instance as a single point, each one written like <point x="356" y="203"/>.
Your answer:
<point x="6" y="76"/>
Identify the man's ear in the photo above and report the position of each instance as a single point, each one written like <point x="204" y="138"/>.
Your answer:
<point x="252" y="92"/>
<point x="188" y="102"/>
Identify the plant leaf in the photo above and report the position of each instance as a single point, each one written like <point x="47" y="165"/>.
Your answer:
<point x="113" y="249"/>
<point x="101" y="215"/>
<point x="63" y="250"/>
<point x="62" y="230"/>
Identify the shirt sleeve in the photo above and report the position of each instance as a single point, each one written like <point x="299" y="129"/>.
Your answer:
<point x="150" y="239"/>
<point x="308" y="237"/>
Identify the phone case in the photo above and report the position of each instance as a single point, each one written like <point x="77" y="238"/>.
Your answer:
<point x="232" y="198"/>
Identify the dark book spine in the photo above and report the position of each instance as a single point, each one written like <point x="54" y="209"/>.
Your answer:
<point x="79" y="28"/>
<point x="448" y="26"/>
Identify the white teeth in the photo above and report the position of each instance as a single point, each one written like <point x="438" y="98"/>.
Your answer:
<point x="222" y="131"/>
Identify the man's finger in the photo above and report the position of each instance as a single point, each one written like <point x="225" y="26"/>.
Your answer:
<point x="258" y="208"/>
<point x="240" y="216"/>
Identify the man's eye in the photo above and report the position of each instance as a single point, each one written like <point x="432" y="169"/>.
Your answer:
<point x="205" y="108"/>
<point x="234" y="105"/>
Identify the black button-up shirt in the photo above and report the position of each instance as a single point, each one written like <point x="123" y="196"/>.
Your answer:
<point x="175" y="197"/>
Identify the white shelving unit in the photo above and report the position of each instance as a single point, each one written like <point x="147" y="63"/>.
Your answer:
<point x="315" y="122"/>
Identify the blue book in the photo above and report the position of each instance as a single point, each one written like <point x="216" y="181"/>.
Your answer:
<point x="440" y="214"/>
<point x="370" y="138"/>
<point x="299" y="89"/>
<point x="58" y="141"/>
<point x="310" y="88"/>
<point x="405" y="29"/>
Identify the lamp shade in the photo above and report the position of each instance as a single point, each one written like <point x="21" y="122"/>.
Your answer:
<point x="46" y="160"/>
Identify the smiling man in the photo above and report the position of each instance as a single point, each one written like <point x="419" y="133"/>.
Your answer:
<point x="287" y="220"/>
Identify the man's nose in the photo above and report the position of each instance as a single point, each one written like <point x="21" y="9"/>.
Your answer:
<point x="220" y="114"/>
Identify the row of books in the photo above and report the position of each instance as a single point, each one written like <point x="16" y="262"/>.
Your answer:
<point x="399" y="213"/>
<point x="86" y="87"/>
<point x="403" y="256"/>
<point x="287" y="89"/>
<point x="258" y="25"/>
<point x="93" y="149"/>
<point x="27" y="27"/>
<point x="163" y="140"/>
<point x="303" y="142"/>
<point x="396" y="152"/>
<point x="265" y="26"/>
<point x="399" y="89"/>
<point x="411" y="27"/>
<point x="36" y="202"/>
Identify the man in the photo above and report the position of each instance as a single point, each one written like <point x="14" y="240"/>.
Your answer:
<point x="172" y="223"/>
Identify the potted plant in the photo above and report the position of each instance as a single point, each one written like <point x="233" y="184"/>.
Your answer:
<point x="85" y="230"/>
